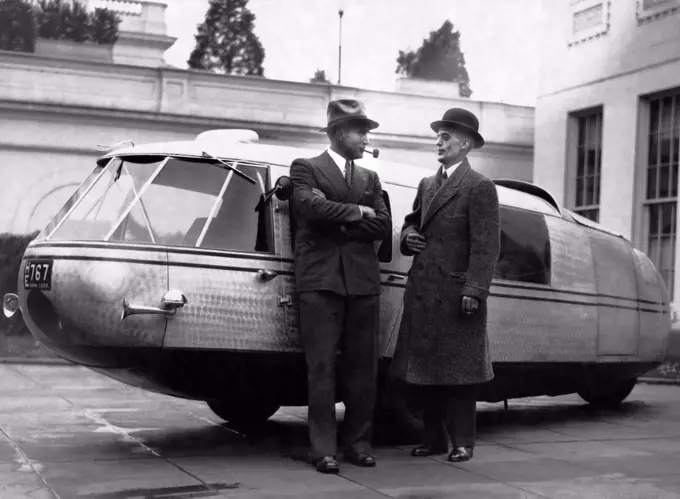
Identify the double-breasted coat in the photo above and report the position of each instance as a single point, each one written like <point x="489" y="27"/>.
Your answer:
<point x="438" y="343"/>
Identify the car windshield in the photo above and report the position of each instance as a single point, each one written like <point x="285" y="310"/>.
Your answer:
<point x="172" y="201"/>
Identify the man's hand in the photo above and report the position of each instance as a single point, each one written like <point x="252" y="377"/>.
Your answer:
<point x="318" y="193"/>
<point x="415" y="242"/>
<point x="470" y="305"/>
<point x="367" y="211"/>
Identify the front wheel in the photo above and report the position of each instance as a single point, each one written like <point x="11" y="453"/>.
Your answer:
<point x="244" y="412"/>
<point x="607" y="394"/>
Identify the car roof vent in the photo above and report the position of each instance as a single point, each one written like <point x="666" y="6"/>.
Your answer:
<point x="228" y="135"/>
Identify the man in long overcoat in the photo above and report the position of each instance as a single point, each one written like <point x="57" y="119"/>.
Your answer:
<point x="340" y="215"/>
<point x="454" y="234"/>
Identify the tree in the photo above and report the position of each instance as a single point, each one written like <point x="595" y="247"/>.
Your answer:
<point x="439" y="58"/>
<point x="319" y="77"/>
<point x="225" y="41"/>
<point x="17" y="26"/>
<point x="21" y="22"/>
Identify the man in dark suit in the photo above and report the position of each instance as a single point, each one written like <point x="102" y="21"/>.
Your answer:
<point x="340" y="214"/>
<point x="454" y="232"/>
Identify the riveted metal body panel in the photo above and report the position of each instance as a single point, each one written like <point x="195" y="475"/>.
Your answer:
<point x="89" y="284"/>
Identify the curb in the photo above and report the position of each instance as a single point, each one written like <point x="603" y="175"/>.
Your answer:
<point x="659" y="381"/>
<point x="36" y="361"/>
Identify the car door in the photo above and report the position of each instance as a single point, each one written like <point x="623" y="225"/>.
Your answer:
<point x="222" y="265"/>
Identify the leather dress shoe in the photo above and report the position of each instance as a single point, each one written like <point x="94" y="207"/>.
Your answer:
<point x="461" y="454"/>
<point x="360" y="459"/>
<point x="429" y="450"/>
<point x="327" y="464"/>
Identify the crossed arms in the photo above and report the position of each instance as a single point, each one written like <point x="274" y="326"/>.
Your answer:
<point x="359" y="223"/>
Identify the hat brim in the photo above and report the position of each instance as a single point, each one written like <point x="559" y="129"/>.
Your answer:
<point x="372" y="125"/>
<point x="479" y="140"/>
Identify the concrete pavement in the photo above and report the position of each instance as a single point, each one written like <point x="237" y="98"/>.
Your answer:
<point x="66" y="432"/>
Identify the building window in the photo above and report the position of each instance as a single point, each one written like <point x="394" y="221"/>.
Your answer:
<point x="589" y="165"/>
<point x="662" y="185"/>
<point x="651" y="10"/>
<point x="589" y="20"/>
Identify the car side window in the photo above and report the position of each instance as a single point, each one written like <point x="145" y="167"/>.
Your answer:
<point x="525" y="247"/>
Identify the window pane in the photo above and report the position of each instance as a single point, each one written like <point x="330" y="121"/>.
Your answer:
<point x="667" y="253"/>
<point x="176" y="197"/>
<point x="590" y="190"/>
<point x="75" y="197"/>
<point x="581" y="162"/>
<point x="651" y="183"/>
<point x="665" y="148"/>
<point x="581" y="132"/>
<point x="135" y="227"/>
<point x="654" y="219"/>
<point x="106" y="202"/>
<point x="591" y="162"/>
<point x="654" y="116"/>
<point x="668" y="218"/>
<point x="664" y="181"/>
<point x="591" y="214"/>
<point x="661" y="239"/>
<point x="182" y="198"/>
<point x="588" y="159"/>
<point x="525" y="248"/>
<point x="243" y="222"/>
<point x="666" y="106"/>
<point x="653" y="149"/>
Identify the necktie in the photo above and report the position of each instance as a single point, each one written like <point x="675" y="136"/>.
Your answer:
<point x="444" y="175"/>
<point x="348" y="172"/>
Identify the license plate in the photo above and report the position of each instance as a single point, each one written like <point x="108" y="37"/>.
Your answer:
<point x="38" y="274"/>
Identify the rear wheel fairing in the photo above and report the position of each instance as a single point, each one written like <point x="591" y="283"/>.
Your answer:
<point x="85" y="304"/>
<point x="655" y="317"/>
<point x="554" y="322"/>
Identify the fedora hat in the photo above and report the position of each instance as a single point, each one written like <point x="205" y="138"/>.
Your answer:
<point x="342" y="110"/>
<point x="463" y="120"/>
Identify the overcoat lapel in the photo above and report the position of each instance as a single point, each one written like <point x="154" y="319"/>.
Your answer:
<point x="359" y="181"/>
<point x="445" y="192"/>
<point x="331" y="171"/>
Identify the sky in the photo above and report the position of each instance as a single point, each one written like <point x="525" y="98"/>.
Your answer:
<point x="499" y="39"/>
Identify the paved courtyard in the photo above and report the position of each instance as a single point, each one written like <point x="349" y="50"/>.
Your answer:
<point x="66" y="432"/>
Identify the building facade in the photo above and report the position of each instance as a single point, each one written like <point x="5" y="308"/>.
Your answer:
<point x="607" y="136"/>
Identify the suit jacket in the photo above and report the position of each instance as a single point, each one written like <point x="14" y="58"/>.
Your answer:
<point x="460" y="218"/>
<point x="334" y="245"/>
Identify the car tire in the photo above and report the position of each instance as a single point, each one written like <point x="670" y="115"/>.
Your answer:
<point x="242" y="412"/>
<point x="608" y="395"/>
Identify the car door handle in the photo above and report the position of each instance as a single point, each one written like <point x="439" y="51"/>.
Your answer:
<point x="395" y="277"/>
<point x="266" y="274"/>
<point x="172" y="300"/>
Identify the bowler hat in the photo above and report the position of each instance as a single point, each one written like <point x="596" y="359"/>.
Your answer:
<point x="463" y="120"/>
<point x="343" y="110"/>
